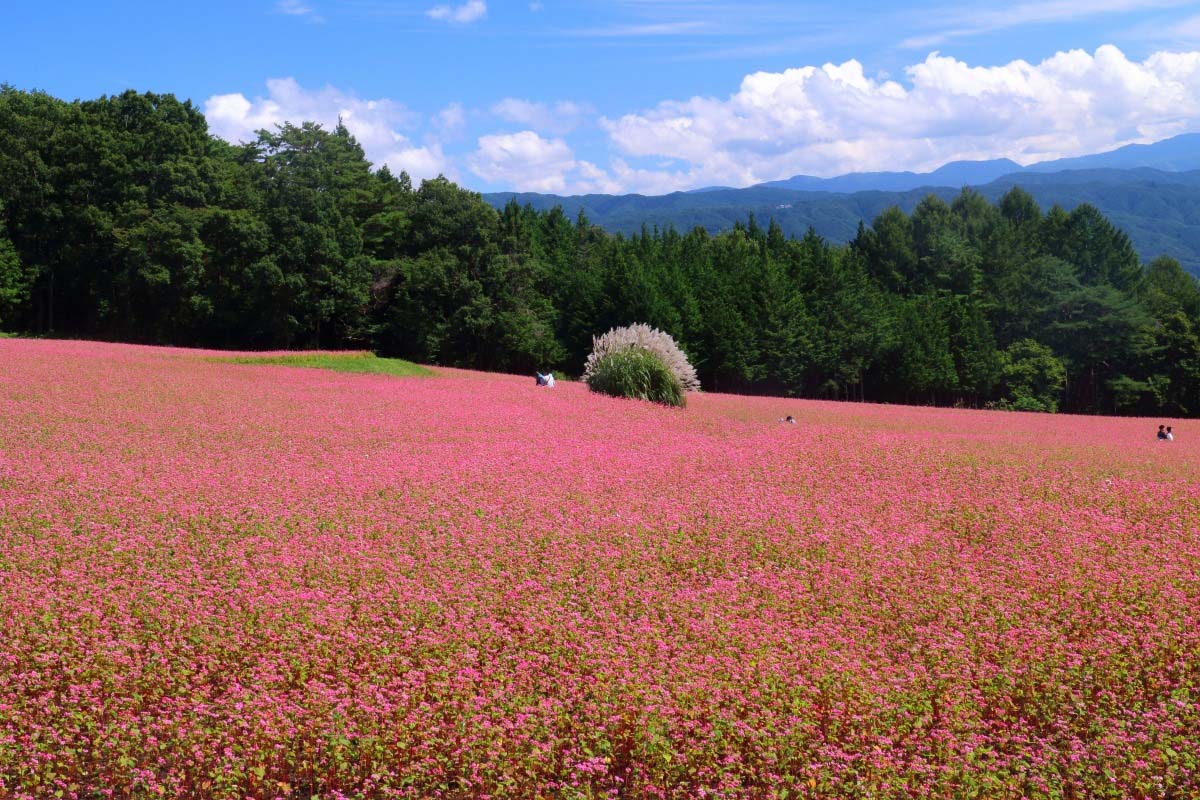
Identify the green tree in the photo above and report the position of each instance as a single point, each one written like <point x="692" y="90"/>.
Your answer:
<point x="1168" y="289"/>
<point x="973" y="348"/>
<point x="310" y="185"/>
<point x="1031" y="377"/>
<point x="1178" y="349"/>
<point x="1100" y="253"/>
<point x="889" y="252"/>
<point x="16" y="279"/>
<point x="788" y="330"/>
<point x="924" y="368"/>
<point x="1103" y="335"/>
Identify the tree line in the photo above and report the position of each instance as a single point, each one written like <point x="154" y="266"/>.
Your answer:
<point x="122" y="218"/>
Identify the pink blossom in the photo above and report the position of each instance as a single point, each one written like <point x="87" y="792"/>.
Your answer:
<point x="232" y="581"/>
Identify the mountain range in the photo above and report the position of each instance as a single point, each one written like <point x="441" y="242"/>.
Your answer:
<point x="1150" y="191"/>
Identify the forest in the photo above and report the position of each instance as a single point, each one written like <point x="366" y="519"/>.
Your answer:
<point x="123" y="219"/>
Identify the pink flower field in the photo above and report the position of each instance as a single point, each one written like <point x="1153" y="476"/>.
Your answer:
<point x="245" y="581"/>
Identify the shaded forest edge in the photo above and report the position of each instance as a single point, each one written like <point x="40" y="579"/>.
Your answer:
<point x="122" y="219"/>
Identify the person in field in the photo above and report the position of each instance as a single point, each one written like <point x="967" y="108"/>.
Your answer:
<point x="1170" y="436"/>
<point x="789" y="420"/>
<point x="545" y="380"/>
<point x="1162" y="433"/>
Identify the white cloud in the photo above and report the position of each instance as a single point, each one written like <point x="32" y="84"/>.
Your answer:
<point x="451" y="120"/>
<point x="524" y="160"/>
<point x="536" y="7"/>
<point x="527" y="162"/>
<point x="834" y="119"/>
<point x="625" y="179"/>
<point x="469" y="11"/>
<point x="376" y="124"/>
<point x="823" y="120"/>
<point x="425" y="161"/>
<point x="298" y="8"/>
<point x="560" y="118"/>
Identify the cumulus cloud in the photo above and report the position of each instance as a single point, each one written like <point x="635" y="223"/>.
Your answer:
<point x="528" y="162"/>
<point x="419" y="161"/>
<point x="469" y="11"/>
<point x="834" y="119"/>
<point x="814" y="120"/>
<point x="524" y="160"/>
<point x="560" y="118"/>
<point x="376" y="124"/>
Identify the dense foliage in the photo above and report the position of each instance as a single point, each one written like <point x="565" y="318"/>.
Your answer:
<point x="122" y="218"/>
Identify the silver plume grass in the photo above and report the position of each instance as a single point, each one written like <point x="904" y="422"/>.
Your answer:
<point x="640" y="335"/>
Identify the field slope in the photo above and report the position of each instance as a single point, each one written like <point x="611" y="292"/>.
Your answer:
<point x="224" y="580"/>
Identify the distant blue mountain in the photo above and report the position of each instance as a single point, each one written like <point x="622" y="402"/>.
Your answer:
<point x="1178" y="154"/>
<point x="1151" y="191"/>
<point x="956" y="173"/>
<point x="1159" y="210"/>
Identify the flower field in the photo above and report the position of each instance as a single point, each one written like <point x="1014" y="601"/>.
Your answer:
<point x="225" y="580"/>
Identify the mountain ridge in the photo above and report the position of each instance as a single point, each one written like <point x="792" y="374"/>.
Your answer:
<point x="1152" y="191"/>
<point x="1159" y="210"/>
<point x="1176" y="154"/>
<point x="955" y="173"/>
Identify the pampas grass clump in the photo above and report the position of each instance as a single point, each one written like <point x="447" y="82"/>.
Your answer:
<point x="638" y="374"/>
<point x="643" y="337"/>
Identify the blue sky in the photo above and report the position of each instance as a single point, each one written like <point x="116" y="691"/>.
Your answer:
<point x="642" y="95"/>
